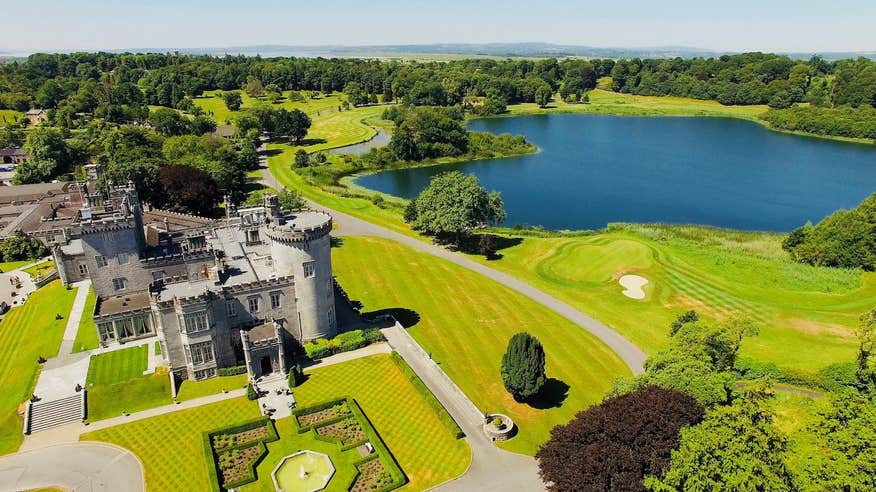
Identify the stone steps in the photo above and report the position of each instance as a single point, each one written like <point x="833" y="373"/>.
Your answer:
<point x="48" y="414"/>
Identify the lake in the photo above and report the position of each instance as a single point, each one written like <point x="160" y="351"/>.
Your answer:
<point x="596" y="169"/>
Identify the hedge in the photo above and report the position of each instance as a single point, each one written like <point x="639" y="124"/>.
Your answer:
<point x="830" y="378"/>
<point x="316" y="408"/>
<point x="207" y="443"/>
<point x="436" y="405"/>
<point x="231" y="371"/>
<point x="345" y="342"/>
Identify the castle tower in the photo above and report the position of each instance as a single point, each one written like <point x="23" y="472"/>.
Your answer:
<point x="301" y="247"/>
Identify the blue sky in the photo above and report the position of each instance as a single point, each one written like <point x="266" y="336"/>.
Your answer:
<point x="732" y="25"/>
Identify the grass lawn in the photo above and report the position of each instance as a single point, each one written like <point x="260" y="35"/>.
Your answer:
<point x="213" y="104"/>
<point x="465" y="320"/>
<point x="26" y="333"/>
<point x="116" y="383"/>
<point x="41" y="268"/>
<point x="8" y="266"/>
<point x="9" y="116"/>
<point x="806" y="314"/>
<point x="189" y="390"/>
<point x="794" y="413"/>
<point x="170" y="445"/>
<point x="86" y="334"/>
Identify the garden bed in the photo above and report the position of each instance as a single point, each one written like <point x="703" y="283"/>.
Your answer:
<point x="348" y="431"/>
<point x="234" y="452"/>
<point x="322" y="414"/>
<point x="372" y="475"/>
<point x="222" y="442"/>
<point x="236" y="465"/>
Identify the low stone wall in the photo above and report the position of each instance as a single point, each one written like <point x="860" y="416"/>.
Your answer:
<point x="507" y="431"/>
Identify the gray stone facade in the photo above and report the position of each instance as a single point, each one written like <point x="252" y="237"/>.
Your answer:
<point x="243" y="290"/>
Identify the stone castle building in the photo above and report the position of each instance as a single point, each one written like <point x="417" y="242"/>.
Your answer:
<point x="214" y="293"/>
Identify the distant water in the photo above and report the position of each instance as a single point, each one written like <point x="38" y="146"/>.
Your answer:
<point x="596" y="169"/>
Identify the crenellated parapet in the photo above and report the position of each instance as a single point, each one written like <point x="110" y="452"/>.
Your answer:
<point x="258" y="285"/>
<point x="306" y="227"/>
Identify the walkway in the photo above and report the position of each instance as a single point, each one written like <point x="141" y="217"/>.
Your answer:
<point x="491" y="469"/>
<point x="75" y="317"/>
<point x="351" y="226"/>
<point x="76" y="466"/>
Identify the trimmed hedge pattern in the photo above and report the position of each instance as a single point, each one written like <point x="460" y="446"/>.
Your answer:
<point x="436" y="405"/>
<point x="380" y="450"/>
<point x="214" y="472"/>
<point x="231" y="371"/>
<point x="344" y="342"/>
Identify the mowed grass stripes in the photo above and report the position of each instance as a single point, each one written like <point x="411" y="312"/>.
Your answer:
<point x="465" y="322"/>
<point x="26" y="334"/>
<point x="118" y="366"/>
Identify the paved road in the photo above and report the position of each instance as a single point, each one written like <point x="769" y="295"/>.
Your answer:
<point x="349" y="225"/>
<point x="83" y="467"/>
<point x="491" y="468"/>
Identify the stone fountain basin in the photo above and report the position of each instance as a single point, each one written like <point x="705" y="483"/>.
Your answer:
<point x="318" y="470"/>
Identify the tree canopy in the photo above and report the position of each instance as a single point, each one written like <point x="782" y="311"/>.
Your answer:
<point x="522" y="368"/>
<point x="614" y="445"/>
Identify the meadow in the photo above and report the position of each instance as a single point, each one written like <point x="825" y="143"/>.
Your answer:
<point x="465" y="320"/>
<point x="213" y="104"/>
<point x="26" y="334"/>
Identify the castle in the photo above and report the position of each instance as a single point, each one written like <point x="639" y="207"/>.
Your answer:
<point x="244" y="290"/>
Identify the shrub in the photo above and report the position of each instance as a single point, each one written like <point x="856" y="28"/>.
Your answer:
<point x="350" y="340"/>
<point x="231" y="371"/>
<point x="251" y="392"/>
<point x="344" y="342"/>
<point x="523" y="366"/>
<point x="373" y="335"/>
<point x="296" y="376"/>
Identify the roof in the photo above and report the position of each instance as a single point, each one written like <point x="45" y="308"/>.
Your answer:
<point x="107" y="306"/>
<point x="265" y="331"/>
<point x="35" y="111"/>
<point x="11" y="151"/>
<point x="31" y="191"/>
<point x="176" y="222"/>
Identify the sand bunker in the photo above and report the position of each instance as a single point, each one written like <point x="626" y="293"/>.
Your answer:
<point x="632" y="285"/>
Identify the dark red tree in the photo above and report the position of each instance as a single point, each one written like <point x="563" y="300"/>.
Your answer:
<point x="614" y="445"/>
<point x="187" y="189"/>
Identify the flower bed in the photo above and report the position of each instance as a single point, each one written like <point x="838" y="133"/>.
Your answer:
<point x="312" y="418"/>
<point x="225" y="441"/>
<point x="348" y="431"/>
<point x="236" y="465"/>
<point x="372" y="476"/>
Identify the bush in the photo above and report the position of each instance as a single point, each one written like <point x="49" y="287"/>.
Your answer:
<point x="373" y="335"/>
<point x="344" y="342"/>
<point x="251" y="392"/>
<point x="231" y="371"/>
<point x="296" y="376"/>
<point x="350" y="340"/>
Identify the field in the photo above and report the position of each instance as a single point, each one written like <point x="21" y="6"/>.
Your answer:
<point x="465" y="321"/>
<point x="86" y="334"/>
<point x="213" y="104"/>
<point x="116" y="383"/>
<point x="427" y="452"/>
<point x="8" y="266"/>
<point x="27" y="333"/>
<point x="806" y="314"/>
<point x="421" y="444"/>
<point x="189" y="390"/>
<point x="185" y="466"/>
<point x="9" y="116"/>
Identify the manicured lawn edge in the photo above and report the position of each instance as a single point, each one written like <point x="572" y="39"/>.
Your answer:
<point x="436" y="405"/>
<point x="213" y="468"/>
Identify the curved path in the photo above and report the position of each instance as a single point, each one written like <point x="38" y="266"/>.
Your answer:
<point x="351" y="226"/>
<point x="82" y="466"/>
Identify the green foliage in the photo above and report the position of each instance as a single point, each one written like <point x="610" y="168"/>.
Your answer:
<point x="296" y="376"/>
<point x="302" y="159"/>
<point x="455" y="203"/>
<point x="842" y="121"/>
<point x="846" y="238"/>
<point x="345" y="342"/>
<point x="522" y="367"/>
<point x="231" y="371"/>
<point x="48" y="156"/>
<point x="736" y="447"/>
<point x="290" y="200"/>
<point x="433" y="402"/>
<point x="543" y="96"/>
<point x="866" y="360"/>
<point x="427" y="133"/>
<point x="20" y="247"/>
<point x="686" y="317"/>
<point x="251" y="392"/>
<point x="846" y="436"/>
<point x="233" y="101"/>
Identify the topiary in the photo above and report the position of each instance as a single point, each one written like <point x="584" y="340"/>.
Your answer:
<point x="251" y="392"/>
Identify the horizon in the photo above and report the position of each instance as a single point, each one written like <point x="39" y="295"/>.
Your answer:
<point x="781" y="27"/>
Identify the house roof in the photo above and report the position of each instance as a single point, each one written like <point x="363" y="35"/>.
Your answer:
<point x="11" y="151"/>
<point x="107" y="306"/>
<point x="35" y="111"/>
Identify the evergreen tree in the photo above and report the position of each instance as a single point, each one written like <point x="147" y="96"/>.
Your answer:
<point x="523" y="366"/>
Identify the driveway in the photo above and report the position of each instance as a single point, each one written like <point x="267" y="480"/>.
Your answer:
<point x="83" y="467"/>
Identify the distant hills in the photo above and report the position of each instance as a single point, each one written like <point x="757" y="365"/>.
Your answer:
<point x="458" y="50"/>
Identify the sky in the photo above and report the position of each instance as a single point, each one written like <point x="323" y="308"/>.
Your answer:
<point x="729" y="25"/>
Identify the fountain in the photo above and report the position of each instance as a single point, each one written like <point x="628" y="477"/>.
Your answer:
<point x="304" y="471"/>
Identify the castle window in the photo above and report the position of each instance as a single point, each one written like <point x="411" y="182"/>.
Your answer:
<point x="100" y="261"/>
<point x="125" y="328"/>
<point x="309" y="269"/>
<point x="195" y="322"/>
<point x="275" y="300"/>
<point x="205" y="373"/>
<point x="119" y="283"/>
<point x="83" y="269"/>
<point x="141" y="325"/>
<point x="156" y="276"/>
<point x="199" y="353"/>
<point x="253" y="304"/>
<point x="331" y="317"/>
<point x="232" y="308"/>
<point x="123" y="258"/>
<point x="106" y="332"/>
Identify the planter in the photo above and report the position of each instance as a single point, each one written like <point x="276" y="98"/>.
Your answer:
<point x="506" y="430"/>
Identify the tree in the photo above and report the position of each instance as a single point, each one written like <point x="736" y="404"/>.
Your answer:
<point x="455" y="203"/>
<point x="356" y="94"/>
<point x="487" y="246"/>
<point x="846" y="446"/>
<point x="290" y="200"/>
<point x="614" y="445"/>
<point x="296" y="376"/>
<point x="168" y="122"/>
<point x="543" y="96"/>
<point x="189" y="190"/>
<point x="253" y="87"/>
<point x="682" y="319"/>
<point x="522" y="367"/>
<point x="866" y="359"/>
<point x="302" y="158"/>
<point x="293" y="124"/>
<point x="47" y="156"/>
<point x="20" y="247"/>
<point x="736" y="447"/>
<point x="233" y="101"/>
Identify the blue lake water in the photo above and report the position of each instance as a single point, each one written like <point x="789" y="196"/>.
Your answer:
<point x="596" y="169"/>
